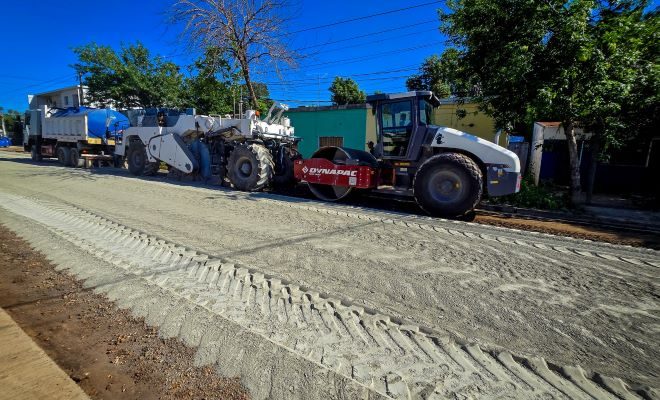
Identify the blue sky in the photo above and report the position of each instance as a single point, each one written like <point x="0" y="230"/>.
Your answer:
<point x="39" y="35"/>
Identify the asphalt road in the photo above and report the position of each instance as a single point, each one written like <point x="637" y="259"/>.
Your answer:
<point x="570" y="302"/>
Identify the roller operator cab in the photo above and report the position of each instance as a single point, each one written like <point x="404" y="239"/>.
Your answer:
<point x="447" y="171"/>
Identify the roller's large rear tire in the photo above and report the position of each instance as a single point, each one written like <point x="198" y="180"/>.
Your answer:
<point x="64" y="156"/>
<point x="448" y="185"/>
<point x="138" y="161"/>
<point x="250" y="167"/>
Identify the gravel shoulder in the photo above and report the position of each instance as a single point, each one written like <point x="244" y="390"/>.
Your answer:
<point x="485" y="285"/>
<point x="106" y="351"/>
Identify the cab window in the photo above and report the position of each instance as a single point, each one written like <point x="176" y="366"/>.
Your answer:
<point x="396" y="122"/>
<point x="425" y="113"/>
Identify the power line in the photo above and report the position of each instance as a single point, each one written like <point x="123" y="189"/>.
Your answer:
<point x="44" y="83"/>
<point x="405" y="69"/>
<point x="366" y="34"/>
<point x="352" y="59"/>
<point x="360" y="18"/>
<point x="367" y="57"/>
<point x="376" y="41"/>
<point x="390" y="78"/>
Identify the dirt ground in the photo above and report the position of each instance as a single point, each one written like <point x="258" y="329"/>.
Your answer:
<point x="579" y="231"/>
<point x="107" y="352"/>
<point x="570" y="302"/>
<point x="630" y="238"/>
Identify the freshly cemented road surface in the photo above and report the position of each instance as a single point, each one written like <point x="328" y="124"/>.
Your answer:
<point x="356" y="301"/>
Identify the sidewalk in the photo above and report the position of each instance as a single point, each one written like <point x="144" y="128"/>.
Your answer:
<point x="26" y="371"/>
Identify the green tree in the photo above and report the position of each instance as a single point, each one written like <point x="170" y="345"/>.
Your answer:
<point x="622" y="81"/>
<point x="547" y="60"/>
<point x="210" y="87"/>
<point x="130" y="78"/>
<point x="442" y="76"/>
<point x="346" y="91"/>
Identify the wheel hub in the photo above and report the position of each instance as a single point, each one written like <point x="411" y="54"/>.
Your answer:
<point x="446" y="187"/>
<point x="245" y="167"/>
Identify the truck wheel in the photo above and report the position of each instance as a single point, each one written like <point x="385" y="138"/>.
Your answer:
<point x="138" y="162"/>
<point x="250" y="167"/>
<point x="75" y="159"/>
<point x="448" y="185"/>
<point x="64" y="156"/>
<point x="35" y="153"/>
<point x="285" y="179"/>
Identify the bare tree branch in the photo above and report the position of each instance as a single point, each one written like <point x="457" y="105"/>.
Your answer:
<point x="245" y="31"/>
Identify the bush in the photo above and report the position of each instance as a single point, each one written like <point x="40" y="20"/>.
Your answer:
<point x="543" y="196"/>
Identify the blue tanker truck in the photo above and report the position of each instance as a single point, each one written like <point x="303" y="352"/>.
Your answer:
<point x="72" y="134"/>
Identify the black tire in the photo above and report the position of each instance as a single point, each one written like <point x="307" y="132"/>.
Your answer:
<point x="250" y="167"/>
<point x="35" y="153"/>
<point x="64" y="156"/>
<point x="448" y="185"/>
<point x="75" y="160"/>
<point x="286" y="179"/>
<point x="138" y="162"/>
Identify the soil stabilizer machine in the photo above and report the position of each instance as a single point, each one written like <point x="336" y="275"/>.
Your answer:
<point x="248" y="153"/>
<point x="445" y="170"/>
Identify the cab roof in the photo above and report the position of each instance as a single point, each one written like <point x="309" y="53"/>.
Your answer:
<point x="426" y="95"/>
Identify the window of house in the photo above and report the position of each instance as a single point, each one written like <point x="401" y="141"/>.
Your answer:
<point x="331" y="141"/>
<point x="66" y="100"/>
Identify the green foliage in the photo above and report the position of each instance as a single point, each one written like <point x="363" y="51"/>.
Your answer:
<point x="544" y="197"/>
<point x="572" y="61"/>
<point x="346" y="91"/>
<point x="263" y="96"/>
<point x="130" y="78"/>
<point x="587" y="62"/>
<point x="133" y="77"/>
<point x="500" y="44"/>
<point x="622" y="66"/>
<point x="210" y="86"/>
<point x="10" y="118"/>
<point x="442" y="76"/>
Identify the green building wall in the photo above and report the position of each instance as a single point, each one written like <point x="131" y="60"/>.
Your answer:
<point x="356" y="123"/>
<point x="349" y="122"/>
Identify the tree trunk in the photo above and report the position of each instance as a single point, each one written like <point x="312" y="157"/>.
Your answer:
<point x="595" y="150"/>
<point x="248" y="83"/>
<point x="576" y="195"/>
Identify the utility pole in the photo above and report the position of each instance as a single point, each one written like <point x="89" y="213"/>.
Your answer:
<point x="318" y="87"/>
<point x="2" y="117"/>
<point x="240" y="104"/>
<point x="81" y="96"/>
<point x="233" y="99"/>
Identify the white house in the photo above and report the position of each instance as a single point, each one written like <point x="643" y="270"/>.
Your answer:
<point x="549" y="131"/>
<point x="60" y="98"/>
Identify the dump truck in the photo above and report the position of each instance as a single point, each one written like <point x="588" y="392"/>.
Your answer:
<point x="71" y="134"/>
<point x="444" y="170"/>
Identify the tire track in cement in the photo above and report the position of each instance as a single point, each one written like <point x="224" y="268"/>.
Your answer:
<point x="509" y="236"/>
<point x="385" y="355"/>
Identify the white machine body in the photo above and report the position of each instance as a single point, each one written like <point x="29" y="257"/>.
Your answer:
<point x="168" y="143"/>
<point x="489" y="153"/>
